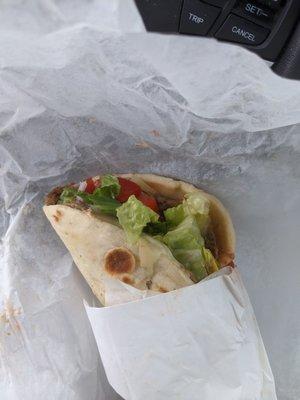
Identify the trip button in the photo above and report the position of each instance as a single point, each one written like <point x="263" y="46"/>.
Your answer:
<point x="197" y="17"/>
<point x="254" y="11"/>
<point x="236" y="29"/>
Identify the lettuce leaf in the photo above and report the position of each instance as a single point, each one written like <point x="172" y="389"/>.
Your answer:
<point x="193" y="261"/>
<point x="102" y="200"/>
<point x="110" y="187"/>
<point x="189" y="222"/>
<point x="185" y="236"/>
<point x="193" y="204"/>
<point x="105" y="205"/>
<point x="210" y="262"/>
<point x="175" y="215"/>
<point x="156" y="228"/>
<point x="197" y="205"/>
<point x="133" y="216"/>
<point x="186" y="244"/>
<point x="68" y="195"/>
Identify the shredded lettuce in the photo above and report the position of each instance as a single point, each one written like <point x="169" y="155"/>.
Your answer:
<point x="197" y="205"/>
<point x="105" y="205"/>
<point x="156" y="228"/>
<point x="188" y="222"/>
<point x="102" y="200"/>
<point x="193" y="204"/>
<point x="193" y="261"/>
<point x="110" y="186"/>
<point x="186" y="243"/>
<point x="175" y="215"/>
<point x="133" y="216"/>
<point x="210" y="262"/>
<point x="185" y="236"/>
<point x="68" y="195"/>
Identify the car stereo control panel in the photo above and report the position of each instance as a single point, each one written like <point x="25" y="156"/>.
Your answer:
<point x="261" y="25"/>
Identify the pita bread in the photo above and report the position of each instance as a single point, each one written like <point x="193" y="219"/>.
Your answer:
<point x="93" y="241"/>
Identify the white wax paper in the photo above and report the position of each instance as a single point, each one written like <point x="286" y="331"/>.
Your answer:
<point x="197" y="342"/>
<point x="77" y="99"/>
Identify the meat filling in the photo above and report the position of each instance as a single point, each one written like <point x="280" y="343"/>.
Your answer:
<point x="53" y="197"/>
<point x="210" y="242"/>
<point x="165" y="203"/>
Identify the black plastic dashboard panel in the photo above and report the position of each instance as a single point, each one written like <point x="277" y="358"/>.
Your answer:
<point x="288" y="64"/>
<point x="160" y="15"/>
<point x="263" y="26"/>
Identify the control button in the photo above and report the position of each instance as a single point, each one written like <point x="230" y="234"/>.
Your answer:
<point x="197" y="17"/>
<point x="236" y="29"/>
<point x="255" y="12"/>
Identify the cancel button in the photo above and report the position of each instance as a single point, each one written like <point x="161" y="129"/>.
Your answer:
<point x="237" y="29"/>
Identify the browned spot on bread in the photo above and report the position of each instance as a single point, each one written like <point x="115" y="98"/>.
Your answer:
<point x="162" y="290"/>
<point x="226" y="259"/>
<point x="119" y="261"/>
<point x="57" y="216"/>
<point x="128" y="280"/>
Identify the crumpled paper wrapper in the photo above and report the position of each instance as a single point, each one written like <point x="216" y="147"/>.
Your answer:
<point x="197" y="342"/>
<point x="81" y="95"/>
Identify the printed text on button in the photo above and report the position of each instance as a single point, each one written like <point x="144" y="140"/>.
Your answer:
<point x="245" y="34"/>
<point x="195" y="18"/>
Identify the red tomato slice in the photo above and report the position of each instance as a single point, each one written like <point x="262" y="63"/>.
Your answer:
<point x="148" y="201"/>
<point x="128" y="188"/>
<point x="90" y="185"/>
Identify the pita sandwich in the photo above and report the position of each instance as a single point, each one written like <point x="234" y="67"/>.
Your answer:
<point x="147" y="232"/>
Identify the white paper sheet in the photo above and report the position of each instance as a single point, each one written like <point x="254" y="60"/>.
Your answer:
<point x="198" y="342"/>
<point x="77" y="100"/>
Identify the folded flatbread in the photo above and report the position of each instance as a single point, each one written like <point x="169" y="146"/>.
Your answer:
<point x="160" y="262"/>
